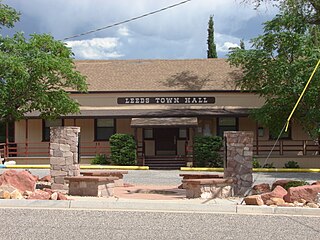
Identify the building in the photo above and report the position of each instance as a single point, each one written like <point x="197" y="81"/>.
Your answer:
<point x="163" y="103"/>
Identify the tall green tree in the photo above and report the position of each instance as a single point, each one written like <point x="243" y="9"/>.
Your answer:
<point x="277" y="68"/>
<point x="212" y="49"/>
<point x="35" y="74"/>
<point x="242" y="45"/>
<point x="309" y="9"/>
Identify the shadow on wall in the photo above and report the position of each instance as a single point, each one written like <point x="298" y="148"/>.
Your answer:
<point x="186" y="80"/>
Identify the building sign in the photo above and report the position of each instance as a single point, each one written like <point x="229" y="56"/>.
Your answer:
<point x="166" y="100"/>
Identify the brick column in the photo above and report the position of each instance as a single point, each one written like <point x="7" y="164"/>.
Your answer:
<point x="63" y="155"/>
<point x="239" y="151"/>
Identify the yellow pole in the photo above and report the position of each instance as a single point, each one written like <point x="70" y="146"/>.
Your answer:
<point x="304" y="90"/>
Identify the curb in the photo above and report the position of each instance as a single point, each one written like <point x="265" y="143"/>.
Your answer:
<point x="47" y="166"/>
<point x="306" y="170"/>
<point x="156" y="205"/>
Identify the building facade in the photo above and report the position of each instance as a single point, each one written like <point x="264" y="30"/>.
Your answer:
<point x="163" y="104"/>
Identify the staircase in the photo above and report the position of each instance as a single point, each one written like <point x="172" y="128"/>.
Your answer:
<point x="165" y="162"/>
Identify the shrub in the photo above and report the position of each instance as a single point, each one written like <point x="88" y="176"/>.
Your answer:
<point x="295" y="184"/>
<point x="100" y="159"/>
<point x="268" y="165"/>
<point x="291" y="164"/>
<point x="123" y="149"/>
<point x="256" y="163"/>
<point x="205" y="151"/>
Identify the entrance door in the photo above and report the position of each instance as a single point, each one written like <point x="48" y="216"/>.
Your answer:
<point x="166" y="141"/>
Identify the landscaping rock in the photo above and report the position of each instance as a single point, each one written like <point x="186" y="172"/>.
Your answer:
<point x="278" y="192"/>
<point x="4" y="194"/>
<point x="312" y="205"/>
<point x="61" y="196"/>
<point x="16" y="195"/>
<point x="316" y="183"/>
<point x="39" y="195"/>
<point x="309" y="193"/>
<point x="54" y="196"/>
<point x="45" y="179"/>
<point x="21" y="180"/>
<point x="253" y="200"/>
<point x="281" y="183"/>
<point x="261" y="188"/>
<point x="277" y="201"/>
<point x="7" y="188"/>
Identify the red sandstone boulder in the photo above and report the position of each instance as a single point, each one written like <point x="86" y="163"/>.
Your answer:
<point x="281" y="183"/>
<point x="39" y="195"/>
<point x="309" y="193"/>
<point x="45" y="179"/>
<point x="278" y="192"/>
<point x="61" y="196"/>
<point x="253" y="200"/>
<point x="21" y="180"/>
<point x="261" y="188"/>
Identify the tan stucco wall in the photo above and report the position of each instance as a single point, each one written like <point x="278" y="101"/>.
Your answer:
<point x="123" y="126"/>
<point x="86" y="129"/>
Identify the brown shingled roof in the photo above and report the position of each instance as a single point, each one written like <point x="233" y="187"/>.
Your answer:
<point x="158" y="75"/>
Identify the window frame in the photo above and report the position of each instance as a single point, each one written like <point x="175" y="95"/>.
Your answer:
<point x="144" y="135"/>
<point x="96" y="130"/>
<point x="187" y="133"/>
<point x="44" y="139"/>
<point x="220" y="126"/>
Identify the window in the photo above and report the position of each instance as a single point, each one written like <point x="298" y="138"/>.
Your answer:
<point x="3" y="132"/>
<point x="183" y="134"/>
<point x="46" y="128"/>
<point x="104" y="128"/>
<point x="148" y="133"/>
<point x="226" y="124"/>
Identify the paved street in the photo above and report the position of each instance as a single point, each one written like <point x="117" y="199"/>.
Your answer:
<point x="83" y="224"/>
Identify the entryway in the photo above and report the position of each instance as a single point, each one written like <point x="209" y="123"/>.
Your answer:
<point x="166" y="141"/>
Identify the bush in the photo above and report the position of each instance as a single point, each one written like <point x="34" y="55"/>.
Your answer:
<point x="205" y="151"/>
<point x="268" y="165"/>
<point x="123" y="149"/>
<point x="295" y="184"/>
<point x="291" y="164"/>
<point x="100" y="159"/>
<point x="256" y="163"/>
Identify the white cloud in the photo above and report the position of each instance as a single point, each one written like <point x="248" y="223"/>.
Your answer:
<point x="96" y="48"/>
<point x="123" y="31"/>
<point x="179" y="32"/>
<point x="225" y="47"/>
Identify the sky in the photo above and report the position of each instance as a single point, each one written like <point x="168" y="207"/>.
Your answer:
<point x="177" y="33"/>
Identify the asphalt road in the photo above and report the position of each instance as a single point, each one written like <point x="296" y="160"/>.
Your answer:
<point x="83" y="224"/>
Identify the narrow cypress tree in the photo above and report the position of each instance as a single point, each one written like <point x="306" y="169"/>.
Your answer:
<point x="242" y="46"/>
<point x="212" y="49"/>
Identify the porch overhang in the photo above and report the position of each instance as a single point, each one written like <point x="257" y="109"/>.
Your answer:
<point x="165" y="122"/>
<point x="132" y="112"/>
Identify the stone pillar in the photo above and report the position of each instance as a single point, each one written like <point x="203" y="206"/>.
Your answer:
<point x="63" y="155"/>
<point x="239" y="153"/>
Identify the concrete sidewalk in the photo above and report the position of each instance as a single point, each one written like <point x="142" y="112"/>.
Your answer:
<point x="193" y="205"/>
<point x="157" y="191"/>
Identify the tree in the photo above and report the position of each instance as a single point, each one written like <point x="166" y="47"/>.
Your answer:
<point x="278" y="67"/>
<point x="35" y="74"/>
<point x="242" y="46"/>
<point x="212" y="49"/>
<point x="309" y="9"/>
